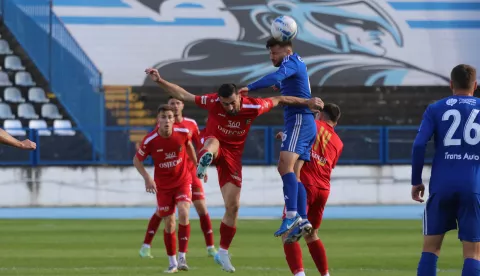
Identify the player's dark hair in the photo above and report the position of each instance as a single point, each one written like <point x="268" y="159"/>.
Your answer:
<point x="171" y="97"/>
<point x="164" y="108"/>
<point x="273" y="42"/>
<point x="332" y="111"/>
<point x="463" y="76"/>
<point x="226" y="90"/>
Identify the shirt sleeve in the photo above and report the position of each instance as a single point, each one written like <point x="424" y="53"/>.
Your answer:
<point x="286" y="69"/>
<point x="143" y="151"/>
<point x="265" y="105"/>
<point x="424" y="135"/>
<point x="206" y="101"/>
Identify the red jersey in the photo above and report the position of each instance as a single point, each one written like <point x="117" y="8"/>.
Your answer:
<point x="169" y="157"/>
<point x="232" y="130"/>
<point x="323" y="157"/>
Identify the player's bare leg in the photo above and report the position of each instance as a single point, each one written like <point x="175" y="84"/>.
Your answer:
<point x="431" y="250"/>
<point x="206" y="224"/>
<point x="153" y="224"/>
<point x="231" y="197"/>
<point x="170" y="240"/>
<point x="183" y="233"/>
<point x="286" y="166"/>
<point x="471" y="255"/>
<point x="206" y="155"/>
<point x="293" y="255"/>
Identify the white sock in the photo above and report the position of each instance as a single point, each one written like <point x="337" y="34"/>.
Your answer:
<point x="181" y="255"/>
<point x="291" y="214"/>
<point x="211" y="246"/>
<point x="173" y="260"/>
<point x="146" y="245"/>
<point x="222" y="251"/>
<point x="301" y="273"/>
<point x="328" y="274"/>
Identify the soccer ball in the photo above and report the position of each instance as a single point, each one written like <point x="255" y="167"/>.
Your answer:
<point x="284" y="28"/>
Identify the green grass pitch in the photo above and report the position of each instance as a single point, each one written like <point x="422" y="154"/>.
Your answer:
<point x="110" y="247"/>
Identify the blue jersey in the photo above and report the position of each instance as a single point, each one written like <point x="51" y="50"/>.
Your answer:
<point x="292" y="79"/>
<point x="455" y="125"/>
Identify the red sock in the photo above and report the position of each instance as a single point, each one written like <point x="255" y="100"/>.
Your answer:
<point x="170" y="240"/>
<point x="206" y="225"/>
<point x="183" y="237"/>
<point x="319" y="256"/>
<point x="152" y="228"/>
<point x="201" y="152"/>
<point x="293" y="254"/>
<point x="226" y="235"/>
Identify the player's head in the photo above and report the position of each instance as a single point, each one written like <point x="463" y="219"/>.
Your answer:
<point x="229" y="98"/>
<point x="165" y="117"/>
<point x="330" y="113"/>
<point x="176" y="105"/>
<point x="463" y="79"/>
<point x="278" y="50"/>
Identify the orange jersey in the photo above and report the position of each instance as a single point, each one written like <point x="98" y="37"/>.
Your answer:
<point x="324" y="156"/>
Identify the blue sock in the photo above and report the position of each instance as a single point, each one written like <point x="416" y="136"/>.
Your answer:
<point x="471" y="267"/>
<point x="290" y="191"/>
<point x="302" y="201"/>
<point x="427" y="265"/>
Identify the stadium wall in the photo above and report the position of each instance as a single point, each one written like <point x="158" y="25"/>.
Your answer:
<point x="122" y="186"/>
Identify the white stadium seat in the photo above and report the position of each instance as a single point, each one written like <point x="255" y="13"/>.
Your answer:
<point x="13" y="63"/>
<point x="63" y="128"/>
<point x="13" y="95"/>
<point x="6" y="111"/>
<point x="4" y="80"/>
<point x="5" y="48"/>
<point x="26" y="110"/>
<point x="37" y="95"/>
<point x="50" y="111"/>
<point x="14" y="127"/>
<point x="40" y="125"/>
<point x="24" y="79"/>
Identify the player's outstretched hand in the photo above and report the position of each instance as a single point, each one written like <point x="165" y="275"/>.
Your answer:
<point x="243" y="91"/>
<point x="279" y="135"/>
<point x="153" y="73"/>
<point x="315" y="104"/>
<point x="150" y="186"/>
<point x="418" y="192"/>
<point x="28" y="145"/>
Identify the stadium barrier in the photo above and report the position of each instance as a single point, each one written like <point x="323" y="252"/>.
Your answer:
<point x="362" y="146"/>
<point x="73" y="77"/>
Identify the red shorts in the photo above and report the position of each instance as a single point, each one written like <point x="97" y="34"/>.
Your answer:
<point x="168" y="199"/>
<point x="197" y="185"/>
<point x="316" y="201"/>
<point x="229" y="165"/>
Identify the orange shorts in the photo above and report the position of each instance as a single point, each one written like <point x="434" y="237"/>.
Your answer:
<point x="168" y="199"/>
<point x="229" y="165"/>
<point x="316" y="201"/>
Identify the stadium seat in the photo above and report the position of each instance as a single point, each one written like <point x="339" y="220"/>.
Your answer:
<point x="24" y="79"/>
<point x="6" y="111"/>
<point x="40" y="125"/>
<point x="50" y="111"/>
<point x="13" y="63"/>
<point x="14" y="127"/>
<point x="4" y="80"/>
<point x="26" y="111"/>
<point x="13" y="95"/>
<point x="5" y="48"/>
<point x="63" y="128"/>
<point x="37" y="95"/>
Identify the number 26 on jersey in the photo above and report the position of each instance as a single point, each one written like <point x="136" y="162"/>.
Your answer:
<point x="470" y="128"/>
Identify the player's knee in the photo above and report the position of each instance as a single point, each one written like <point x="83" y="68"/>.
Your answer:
<point x="313" y="236"/>
<point x="183" y="210"/>
<point x="170" y="223"/>
<point x="232" y="207"/>
<point x="471" y="250"/>
<point x="200" y="207"/>
<point x="286" y="162"/>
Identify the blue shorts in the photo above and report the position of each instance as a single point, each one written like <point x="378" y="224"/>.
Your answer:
<point x="299" y="135"/>
<point x="443" y="212"/>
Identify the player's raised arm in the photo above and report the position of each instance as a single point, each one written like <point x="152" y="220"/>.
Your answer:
<point x="313" y="103"/>
<point x="8" y="139"/>
<point x="172" y="89"/>
<point x="286" y="69"/>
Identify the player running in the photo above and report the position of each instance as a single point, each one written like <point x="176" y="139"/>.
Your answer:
<point x="454" y="190"/>
<point x="9" y="140"/>
<point x="198" y="195"/>
<point x="169" y="147"/>
<point x="230" y="116"/>
<point x="299" y="127"/>
<point x="315" y="176"/>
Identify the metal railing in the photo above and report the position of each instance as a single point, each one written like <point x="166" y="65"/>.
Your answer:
<point x="362" y="145"/>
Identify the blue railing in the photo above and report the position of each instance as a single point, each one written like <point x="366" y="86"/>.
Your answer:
<point x="72" y="76"/>
<point x="362" y="145"/>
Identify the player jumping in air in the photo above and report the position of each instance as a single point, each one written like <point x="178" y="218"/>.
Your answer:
<point x="198" y="195"/>
<point x="169" y="147"/>
<point x="9" y="140"/>
<point x="299" y="128"/>
<point x="315" y="175"/>
<point x="454" y="190"/>
<point x="230" y="116"/>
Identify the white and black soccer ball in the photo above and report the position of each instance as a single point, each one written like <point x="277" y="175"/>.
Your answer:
<point x="283" y="28"/>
